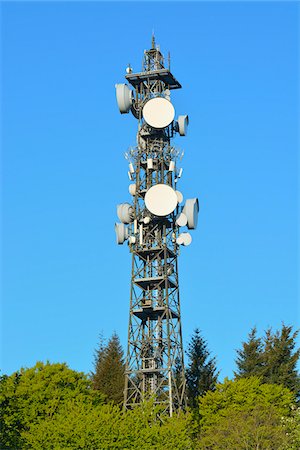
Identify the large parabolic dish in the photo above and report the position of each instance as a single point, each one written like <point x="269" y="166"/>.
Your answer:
<point x="158" y="112"/>
<point x="161" y="200"/>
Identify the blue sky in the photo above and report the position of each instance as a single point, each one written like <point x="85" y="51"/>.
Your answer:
<point x="64" y="278"/>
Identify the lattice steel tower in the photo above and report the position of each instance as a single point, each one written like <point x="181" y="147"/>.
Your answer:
<point x="152" y="225"/>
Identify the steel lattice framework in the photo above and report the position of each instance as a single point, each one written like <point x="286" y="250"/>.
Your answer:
<point x="155" y="360"/>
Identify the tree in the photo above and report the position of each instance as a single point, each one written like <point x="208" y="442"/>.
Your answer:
<point x="244" y="414"/>
<point x="108" y="377"/>
<point x="259" y="428"/>
<point x="250" y="359"/>
<point x="32" y="395"/>
<point x="281" y="358"/>
<point x="292" y="428"/>
<point x="273" y="358"/>
<point x="10" y="416"/>
<point x="83" y="426"/>
<point x="201" y="372"/>
<point x="98" y="361"/>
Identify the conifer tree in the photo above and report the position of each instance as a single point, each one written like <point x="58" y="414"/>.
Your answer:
<point x="250" y="359"/>
<point x="281" y="358"/>
<point x="108" y="377"/>
<point x="273" y="358"/>
<point x="201" y="372"/>
<point x="98" y="358"/>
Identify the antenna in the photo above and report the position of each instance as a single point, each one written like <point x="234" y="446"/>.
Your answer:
<point x="153" y="39"/>
<point x="155" y="226"/>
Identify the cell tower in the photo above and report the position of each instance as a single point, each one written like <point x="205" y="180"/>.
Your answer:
<point x="152" y="225"/>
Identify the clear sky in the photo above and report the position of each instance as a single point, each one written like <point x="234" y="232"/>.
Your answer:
<point x="64" y="278"/>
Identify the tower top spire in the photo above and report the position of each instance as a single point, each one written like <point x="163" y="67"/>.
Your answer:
<point x="153" y="39"/>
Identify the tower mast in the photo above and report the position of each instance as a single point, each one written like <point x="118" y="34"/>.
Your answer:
<point x="152" y="225"/>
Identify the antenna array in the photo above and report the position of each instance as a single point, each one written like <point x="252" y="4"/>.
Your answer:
<point x="152" y="224"/>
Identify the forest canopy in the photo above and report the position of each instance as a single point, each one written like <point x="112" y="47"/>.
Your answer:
<point x="51" y="406"/>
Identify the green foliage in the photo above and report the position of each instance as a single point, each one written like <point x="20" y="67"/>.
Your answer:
<point x="81" y="426"/>
<point x="244" y="414"/>
<point x="259" y="428"/>
<point x="10" y="415"/>
<point x="78" y="425"/>
<point x="51" y="407"/>
<point x="32" y="395"/>
<point x="201" y="372"/>
<point x="109" y="376"/>
<point x="272" y="358"/>
<point x="291" y="425"/>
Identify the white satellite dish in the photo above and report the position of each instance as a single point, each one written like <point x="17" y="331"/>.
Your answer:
<point x="125" y="212"/>
<point x="161" y="200"/>
<point x="191" y="210"/>
<point x="121" y="233"/>
<point x="181" y="220"/>
<point x="179" y="196"/>
<point x="158" y="112"/>
<point x="132" y="189"/>
<point x="167" y="94"/>
<point x="124" y="98"/>
<point x="184" y="239"/>
<point x="183" y="122"/>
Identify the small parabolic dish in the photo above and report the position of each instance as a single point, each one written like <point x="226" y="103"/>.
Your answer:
<point x="132" y="189"/>
<point x="181" y="220"/>
<point x="179" y="196"/>
<point x="161" y="200"/>
<point x="158" y="112"/>
<point x="184" y="239"/>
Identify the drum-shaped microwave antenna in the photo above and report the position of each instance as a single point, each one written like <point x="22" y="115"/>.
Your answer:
<point x="125" y="212"/>
<point x="161" y="200"/>
<point x="124" y="98"/>
<point x="183" y="122"/>
<point x="158" y="112"/>
<point x="191" y="210"/>
<point x="121" y="233"/>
